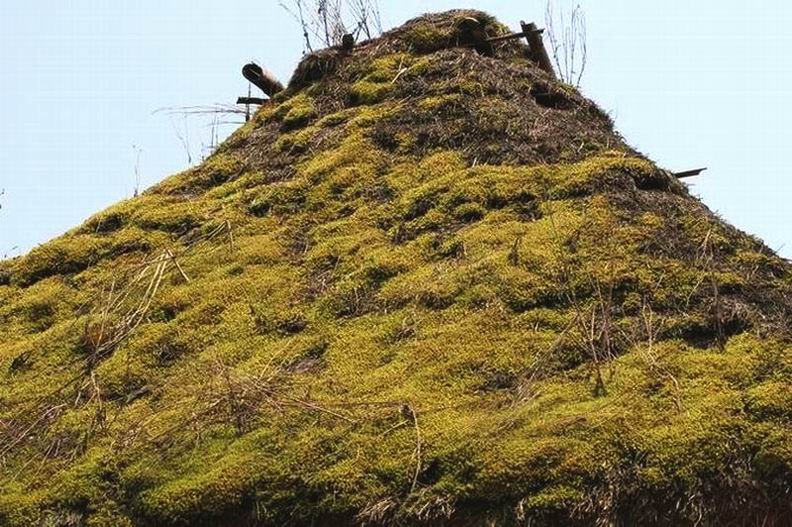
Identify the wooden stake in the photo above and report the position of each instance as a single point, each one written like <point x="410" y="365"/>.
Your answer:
<point x="538" y="52"/>
<point x="246" y="102"/>
<point x="347" y="42"/>
<point x="690" y="173"/>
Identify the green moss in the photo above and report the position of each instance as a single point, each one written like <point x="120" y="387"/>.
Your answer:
<point x="19" y="507"/>
<point x="44" y="304"/>
<point x="431" y="104"/>
<point x="384" y="69"/>
<point x="335" y="119"/>
<point x="355" y="157"/>
<point x="469" y="212"/>
<point x="296" y="142"/>
<point x="771" y="400"/>
<point x="544" y="334"/>
<point x="66" y="255"/>
<point x="295" y="112"/>
<point x="218" y="169"/>
<point x="299" y="110"/>
<point x="200" y="492"/>
<point x="380" y="79"/>
<point x="175" y="216"/>
<point x="366" y="92"/>
<point x="284" y="198"/>
<point x="426" y="37"/>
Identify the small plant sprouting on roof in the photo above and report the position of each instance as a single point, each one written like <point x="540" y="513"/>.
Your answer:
<point x="325" y="22"/>
<point x="567" y="35"/>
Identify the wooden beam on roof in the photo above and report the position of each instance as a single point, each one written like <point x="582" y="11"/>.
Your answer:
<point x="511" y="36"/>
<point x="690" y="173"/>
<point x="251" y="100"/>
<point x="263" y="79"/>
<point x="538" y="51"/>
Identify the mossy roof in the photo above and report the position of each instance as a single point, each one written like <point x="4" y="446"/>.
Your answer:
<point x="424" y="285"/>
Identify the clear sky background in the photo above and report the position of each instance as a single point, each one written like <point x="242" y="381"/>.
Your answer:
<point x="690" y="84"/>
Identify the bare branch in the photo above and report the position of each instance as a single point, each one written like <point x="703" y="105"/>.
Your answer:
<point x="329" y="20"/>
<point x="300" y="18"/>
<point x="567" y="35"/>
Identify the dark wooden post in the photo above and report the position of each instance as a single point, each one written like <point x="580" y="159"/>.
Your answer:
<point x="347" y="42"/>
<point x="534" y="37"/>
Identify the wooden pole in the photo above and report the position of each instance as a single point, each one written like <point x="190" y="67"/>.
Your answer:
<point x="689" y="173"/>
<point x="262" y="78"/>
<point x="246" y="103"/>
<point x="510" y="36"/>
<point x="538" y="52"/>
<point x="251" y="100"/>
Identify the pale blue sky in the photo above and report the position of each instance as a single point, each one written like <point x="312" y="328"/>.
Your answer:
<point x="704" y="83"/>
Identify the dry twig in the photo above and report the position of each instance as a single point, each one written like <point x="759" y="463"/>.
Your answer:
<point x="568" y="44"/>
